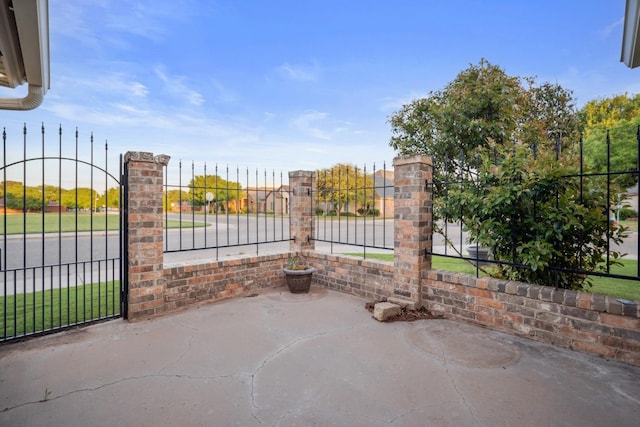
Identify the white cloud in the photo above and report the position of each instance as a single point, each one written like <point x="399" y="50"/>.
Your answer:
<point x="176" y="85"/>
<point x="223" y="94"/>
<point x="609" y="29"/>
<point x="308" y="124"/>
<point x="390" y="104"/>
<point x="113" y="85"/>
<point x="151" y="20"/>
<point x="302" y="73"/>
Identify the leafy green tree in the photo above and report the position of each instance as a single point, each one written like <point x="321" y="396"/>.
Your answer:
<point x="502" y="147"/>
<point x="85" y="197"/>
<point x="111" y="199"/>
<point x="623" y="149"/>
<point x="222" y="190"/>
<point x="13" y="187"/>
<point x="344" y="184"/>
<point x="172" y="197"/>
<point x="23" y="203"/>
<point x="530" y="213"/>
<point x="605" y="113"/>
<point x="620" y="115"/>
<point x="482" y="110"/>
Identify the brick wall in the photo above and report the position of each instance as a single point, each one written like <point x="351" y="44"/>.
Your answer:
<point x="192" y="283"/>
<point x="581" y="321"/>
<point x="591" y="323"/>
<point x="370" y="279"/>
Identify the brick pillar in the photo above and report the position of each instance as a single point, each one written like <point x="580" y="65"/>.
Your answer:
<point x="412" y="224"/>
<point x="301" y="215"/>
<point x="144" y="174"/>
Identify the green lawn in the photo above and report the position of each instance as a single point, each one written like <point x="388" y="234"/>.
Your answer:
<point x="43" y="310"/>
<point x="619" y="288"/>
<point x="70" y="222"/>
<point x="631" y="225"/>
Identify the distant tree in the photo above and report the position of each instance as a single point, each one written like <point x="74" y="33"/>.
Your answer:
<point x="222" y="190"/>
<point x="23" y="202"/>
<point x="605" y="113"/>
<point x="13" y="187"/>
<point x="344" y="184"/>
<point x="111" y="199"/>
<point x="172" y="197"/>
<point x="80" y="198"/>
<point x="620" y="115"/>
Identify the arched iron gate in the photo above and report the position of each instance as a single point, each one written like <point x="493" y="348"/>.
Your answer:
<point x="62" y="239"/>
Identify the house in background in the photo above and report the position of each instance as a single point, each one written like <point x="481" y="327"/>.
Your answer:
<point x="265" y="200"/>
<point x="54" y="207"/>
<point x="277" y="201"/>
<point x="383" y="184"/>
<point x="254" y="199"/>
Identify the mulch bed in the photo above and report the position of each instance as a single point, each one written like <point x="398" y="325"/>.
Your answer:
<point x="406" y="315"/>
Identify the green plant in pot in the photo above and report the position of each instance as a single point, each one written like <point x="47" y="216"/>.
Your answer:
<point x="298" y="274"/>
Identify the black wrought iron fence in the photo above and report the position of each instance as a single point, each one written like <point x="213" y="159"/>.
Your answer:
<point x="353" y="207"/>
<point x="583" y="209"/>
<point x="223" y="210"/>
<point x="60" y="262"/>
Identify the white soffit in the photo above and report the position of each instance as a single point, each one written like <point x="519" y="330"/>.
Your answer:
<point x="630" y="35"/>
<point x="24" y="50"/>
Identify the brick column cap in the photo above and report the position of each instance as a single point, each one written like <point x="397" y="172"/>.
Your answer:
<point x="416" y="158"/>
<point x="144" y="156"/>
<point x="300" y="173"/>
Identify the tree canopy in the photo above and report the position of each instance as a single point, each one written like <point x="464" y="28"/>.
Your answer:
<point x="483" y="109"/>
<point x="344" y="185"/>
<point x="620" y="116"/>
<point x="221" y="189"/>
<point x="505" y="167"/>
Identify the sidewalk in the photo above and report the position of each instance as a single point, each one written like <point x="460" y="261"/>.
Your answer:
<point x="278" y="359"/>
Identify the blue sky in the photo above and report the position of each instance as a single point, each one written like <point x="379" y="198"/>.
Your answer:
<point x="291" y="85"/>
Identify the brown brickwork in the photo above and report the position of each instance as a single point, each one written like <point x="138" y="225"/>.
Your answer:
<point x="302" y="225"/>
<point x="582" y="321"/>
<point x="412" y="224"/>
<point x="370" y="279"/>
<point x="197" y="282"/>
<point x="144" y="208"/>
<point x="591" y="323"/>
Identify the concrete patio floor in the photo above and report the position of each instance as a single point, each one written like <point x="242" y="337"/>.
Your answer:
<point x="278" y="359"/>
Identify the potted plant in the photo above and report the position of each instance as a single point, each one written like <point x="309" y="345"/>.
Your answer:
<point x="298" y="274"/>
<point x="479" y="254"/>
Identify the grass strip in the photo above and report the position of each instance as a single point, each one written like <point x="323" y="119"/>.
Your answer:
<point x="43" y="310"/>
<point x="66" y="223"/>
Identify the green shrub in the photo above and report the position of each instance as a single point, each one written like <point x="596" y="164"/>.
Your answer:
<point x="529" y="214"/>
<point x="626" y="213"/>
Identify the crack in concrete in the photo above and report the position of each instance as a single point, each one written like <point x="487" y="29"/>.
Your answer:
<point x="185" y="351"/>
<point x="455" y="387"/>
<point x="122" y="380"/>
<point x="268" y="359"/>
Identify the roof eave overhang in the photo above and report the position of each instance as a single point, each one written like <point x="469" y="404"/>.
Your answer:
<point x="630" y="35"/>
<point x="25" y="49"/>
